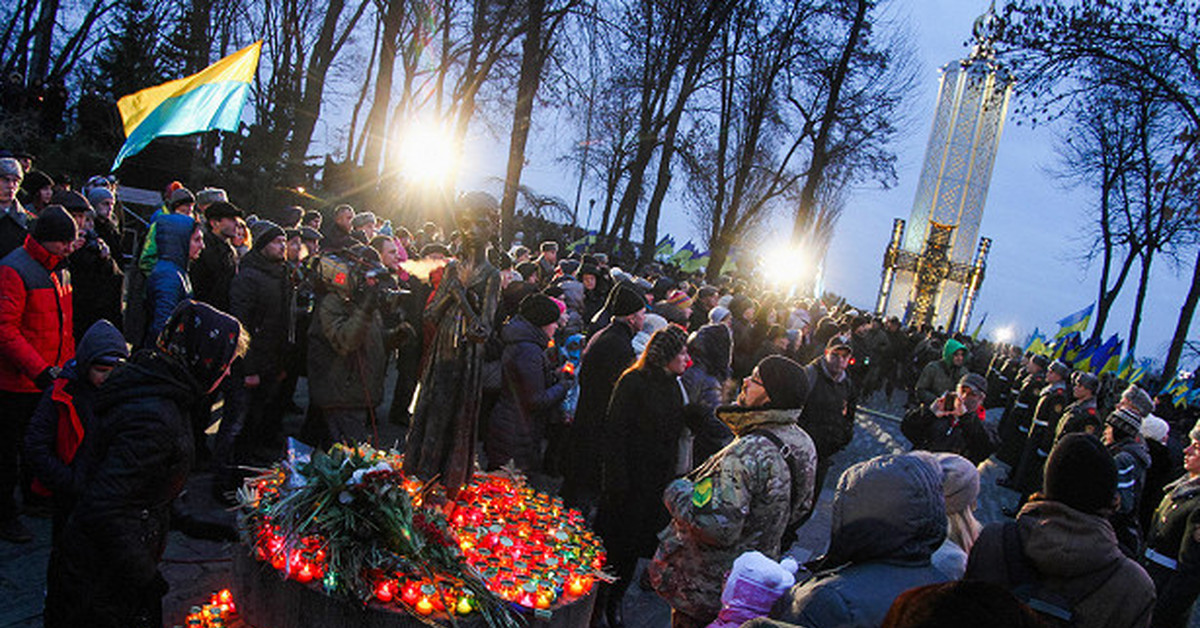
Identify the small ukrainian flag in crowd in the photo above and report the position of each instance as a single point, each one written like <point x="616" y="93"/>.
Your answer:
<point x="210" y="99"/>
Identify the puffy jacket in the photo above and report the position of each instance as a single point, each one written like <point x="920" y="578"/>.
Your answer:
<point x="65" y="414"/>
<point x="1075" y="555"/>
<point x="168" y="283"/>
<point x="36" y="309"/>
<point x="259" y="298"/>
<point x="739" y="500"/>
<point x="346" y="355"/>
<point x="1132" y="458"/>
<point x="529" y="398"/>
<point x="889" y="516"/>
<point x="136" y="465"/>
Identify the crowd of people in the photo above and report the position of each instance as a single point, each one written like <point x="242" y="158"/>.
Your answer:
<point x="691" y="421"/>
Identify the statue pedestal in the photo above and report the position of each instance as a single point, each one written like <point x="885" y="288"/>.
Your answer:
<point x="266" y="600"/>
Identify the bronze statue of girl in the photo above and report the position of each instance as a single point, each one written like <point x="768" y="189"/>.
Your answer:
<point x="441" y="440"/>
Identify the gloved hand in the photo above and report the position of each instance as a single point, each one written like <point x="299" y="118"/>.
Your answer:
<point x="45" y="379"/>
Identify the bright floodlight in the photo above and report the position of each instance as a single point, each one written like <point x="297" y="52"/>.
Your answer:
<point x="1004" y="335"/>
<point x="784" y="266"/>
<point x="426" y="152"/>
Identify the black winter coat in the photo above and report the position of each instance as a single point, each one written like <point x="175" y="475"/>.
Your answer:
<point x="259" y="298"/>
<point x="135" y="467"/>
<point x="828" y="414"/>
<point x="212" y="273"/>
<point x="606" y="356"/>
<point x="96" y="285"/>
<point x="641" y="452"/>
<point x="530" y="398"/>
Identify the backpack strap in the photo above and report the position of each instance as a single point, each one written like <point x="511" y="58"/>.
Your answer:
<point x="1025" y="585"/>
<point x="789" y="456"/>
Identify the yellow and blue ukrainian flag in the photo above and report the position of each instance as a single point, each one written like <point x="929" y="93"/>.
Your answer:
<point x="1077" y="322"/>
<point x="210" y="99"/>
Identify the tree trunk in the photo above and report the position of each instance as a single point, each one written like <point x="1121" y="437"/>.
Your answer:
<point x="654" y="209"/>
<point x="43" y="34"/>
<point x="820" y="159"/>
<point x="308" y="110"/>
<point x="1185" y="320"/>
<point x="1143" y="281"/>
<point x="533" y="57"/>
<point x="377" y="126"/>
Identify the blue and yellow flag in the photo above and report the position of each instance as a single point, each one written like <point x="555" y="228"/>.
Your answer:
<point x="1077" y="322"/>
<point x="684" y="254"/>
<point x="1138" y="373"/>
<point x="210" y="99"/>
<point x="1125" y="368"/>
<point x="582" y="243"/>
<point x="1108" y="356"/>
<point x="665" y="248"/>
<point x="1066" y="346"/>
<point x="697" y="262"/>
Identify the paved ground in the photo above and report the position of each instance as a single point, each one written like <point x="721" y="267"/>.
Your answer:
<point x="195" y="568"/>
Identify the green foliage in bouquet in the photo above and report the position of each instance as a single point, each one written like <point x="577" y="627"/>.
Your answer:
<point x="372" y="520"/>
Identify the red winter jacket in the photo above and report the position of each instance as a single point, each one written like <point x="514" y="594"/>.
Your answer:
<point x="35" y="316"/>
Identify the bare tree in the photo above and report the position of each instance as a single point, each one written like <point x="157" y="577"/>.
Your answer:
<point x="1144" y="47"/>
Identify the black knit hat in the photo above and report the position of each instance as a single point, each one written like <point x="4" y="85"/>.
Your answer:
<point x="182" y="196"/>
<point x="1126" y="421"/>
<point x="785" y="382"/>
<point x="624" y="300"/>
<point x="263" y="232"/>
<point x="54" y="224"/>
<point x="664" y="345"/>
<point x="1081" y="474"/>
<point x="539" y="309"/>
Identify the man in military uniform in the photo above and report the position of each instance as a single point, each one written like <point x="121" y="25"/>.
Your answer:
<point x="1172" y="555"/>
<point x="1014" y="424"/>
<point x="745" y="497"/>
<point x="1081" y="415"/>
<point x="1051" y="403"/>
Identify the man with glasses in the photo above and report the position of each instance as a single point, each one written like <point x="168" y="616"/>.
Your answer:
<point x="953" y="422"/>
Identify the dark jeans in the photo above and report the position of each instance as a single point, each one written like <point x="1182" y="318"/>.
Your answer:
<point x="15" y="410"/>
<point x="251" y="422"/>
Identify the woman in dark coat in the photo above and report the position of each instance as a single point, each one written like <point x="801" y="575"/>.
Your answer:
<point x="133" y="468"/>
<point x="641" y="456"/>
<point x="530" y="395"/>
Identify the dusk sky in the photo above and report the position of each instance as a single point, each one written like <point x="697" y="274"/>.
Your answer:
<point x="1034" y="274"/>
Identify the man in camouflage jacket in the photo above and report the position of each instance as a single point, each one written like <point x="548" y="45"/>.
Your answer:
<point x="743" y="498"/>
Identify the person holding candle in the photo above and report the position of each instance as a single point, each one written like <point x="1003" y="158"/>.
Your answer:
<point x="641" y="455"/>
<point x="742" y="498"/>
<point x="531" y="392"/>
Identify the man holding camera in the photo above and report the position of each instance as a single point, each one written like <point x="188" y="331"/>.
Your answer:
<point x="346" y="353"/>
<point x="953" y="422"/>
